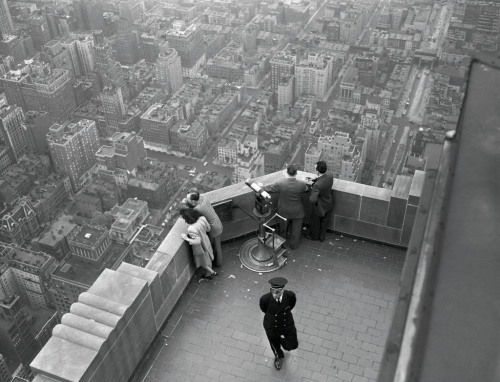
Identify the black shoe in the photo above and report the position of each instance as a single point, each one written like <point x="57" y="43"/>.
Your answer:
<point x="278" y="362"/>
<point x="309" y="237"/>
<point x="322" y="239"/>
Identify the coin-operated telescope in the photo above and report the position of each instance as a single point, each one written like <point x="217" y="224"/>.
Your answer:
<point x="262" y="197"/>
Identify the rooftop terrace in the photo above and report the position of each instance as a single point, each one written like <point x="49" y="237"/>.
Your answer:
<point x="366" y="311"/>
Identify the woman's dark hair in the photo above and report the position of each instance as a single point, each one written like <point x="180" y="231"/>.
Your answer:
<point x="194" y="195"/>
<point x="190" y="215"/>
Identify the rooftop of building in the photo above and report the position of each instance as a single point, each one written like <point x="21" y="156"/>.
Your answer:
<point x="73" y="269"/>
<point x="28" y="257"/>
<point x="61" y="227"/>
<point x="88" y="234"/>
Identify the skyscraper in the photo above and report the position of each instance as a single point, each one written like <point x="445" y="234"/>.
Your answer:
<point x="39" y="29"/>
<point x="113" y="107"/>
<point x="168" y="69"/>
<point x="16" y="340"/>
<point x="6" y="27"/>
<point x="11" y="129"/>
<point x="72" y="149"/>
<point x="88" y="14"/>
<point x="282" y="64"/>
<point x="119" y="161"/>
<point x="107" y="71"/>
<point x="126" y="46"/>
<point x="188" y="42"/>
<point x="50" y="90"/>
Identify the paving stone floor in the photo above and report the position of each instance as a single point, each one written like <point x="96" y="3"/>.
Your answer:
<point x="346" y="290"/>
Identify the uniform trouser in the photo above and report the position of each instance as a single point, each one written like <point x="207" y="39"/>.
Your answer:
<point x="216" y="246"/>
<point x="291" y="231"/>
<point x="287" y="342"/>
<point x="319" y="224"/>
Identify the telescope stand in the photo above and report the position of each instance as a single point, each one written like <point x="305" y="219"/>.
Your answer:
<point x="265" y="252"/>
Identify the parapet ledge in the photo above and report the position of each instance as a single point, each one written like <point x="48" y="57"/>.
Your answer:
<point x="90" y="326"/>
<point x="102" y="303"/>
<point x="63" y="360"/>
<point x="402" y="186"/>
<point x="118" y="287"/>
<point x="78" y="336"/>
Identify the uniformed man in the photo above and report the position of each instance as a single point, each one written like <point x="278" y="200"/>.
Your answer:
<point x="280" y="329"/>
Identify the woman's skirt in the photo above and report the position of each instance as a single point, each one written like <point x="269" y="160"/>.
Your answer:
<point x="201" y="258"/>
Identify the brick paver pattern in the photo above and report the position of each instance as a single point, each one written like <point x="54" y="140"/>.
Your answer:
<point x="346" y="291"/>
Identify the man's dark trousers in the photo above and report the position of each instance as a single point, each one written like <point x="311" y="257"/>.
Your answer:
<point x="319" y="224"/>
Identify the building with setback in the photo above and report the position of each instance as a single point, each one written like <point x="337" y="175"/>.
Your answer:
<point x="119" y="161"/>
<point x="72" y="148"/>
<point x="188" y="42"/>
<point x="168" y="69"/>
<point x="282" y="64"/>
<point x="12" y="131"/>
<point x="26" y="273"/>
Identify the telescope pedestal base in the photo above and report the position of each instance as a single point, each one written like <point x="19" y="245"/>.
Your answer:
<point x="255" y="256"/>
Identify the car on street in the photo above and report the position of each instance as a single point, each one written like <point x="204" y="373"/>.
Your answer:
<point x="204" y="164"/>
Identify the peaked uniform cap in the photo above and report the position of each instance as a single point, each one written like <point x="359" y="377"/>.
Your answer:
<point x="278" y="282"/>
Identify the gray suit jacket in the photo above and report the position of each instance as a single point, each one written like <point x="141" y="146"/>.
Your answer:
<point x="290" y="198"/>
<point x="321" y="194"/>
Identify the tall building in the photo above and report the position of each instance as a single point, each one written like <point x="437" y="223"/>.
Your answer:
<point x="126" y="44"/>
<point x="85" y="50"/>
<point x="282" y="64"/>
<point x="16" y="340"/>
<point x="131" y="10"/>
<point x="156" y="123"/>
<point x="50" y="90"/>
<point x="5" y="374"/>
<point x="149" y="47"/>
<point x="341" y="156"/>
<point x="39" y="29"/>
<point x="286" y="93"/>
<point x="26" y="274"/>
<point x="72" y="149"/>
<point x="113" y="108"/>
<point x="35" y="86"/>
<point x="168" y="69"/>
<point x="20" y="224"/>
<point x="6" y="26"/>
<point x="119" y="161"/>
<point x="348" y="83"/>
<point x="89" y="14"/>
<point x="189" y="43"/>
<point x="12" y="131"/>
<point x="12" y="82"/>
<point x="37" y="125"/>
<point x="314" y="75"/>
<point x="107" y="71"/>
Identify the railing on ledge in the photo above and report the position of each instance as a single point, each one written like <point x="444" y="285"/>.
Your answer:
<point x="108" y="330"/>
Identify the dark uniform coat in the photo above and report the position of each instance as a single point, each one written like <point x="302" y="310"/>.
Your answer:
<point x="278" y="321"/>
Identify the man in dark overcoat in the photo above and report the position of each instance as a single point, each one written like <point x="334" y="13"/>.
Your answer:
<point x="321" y="203"/>
<point x="280" y="328"/>
<point x="290" y="204"/>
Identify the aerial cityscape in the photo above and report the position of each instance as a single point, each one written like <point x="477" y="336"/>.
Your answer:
<point x="112" y="110"/>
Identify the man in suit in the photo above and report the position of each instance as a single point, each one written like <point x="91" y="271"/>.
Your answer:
<point x="290" y="204"/>
<point x="321" y="203"/>
<point x="280" y="328"/>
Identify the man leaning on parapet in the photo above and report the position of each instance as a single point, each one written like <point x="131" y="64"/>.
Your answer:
<point x="290" y="205"/>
